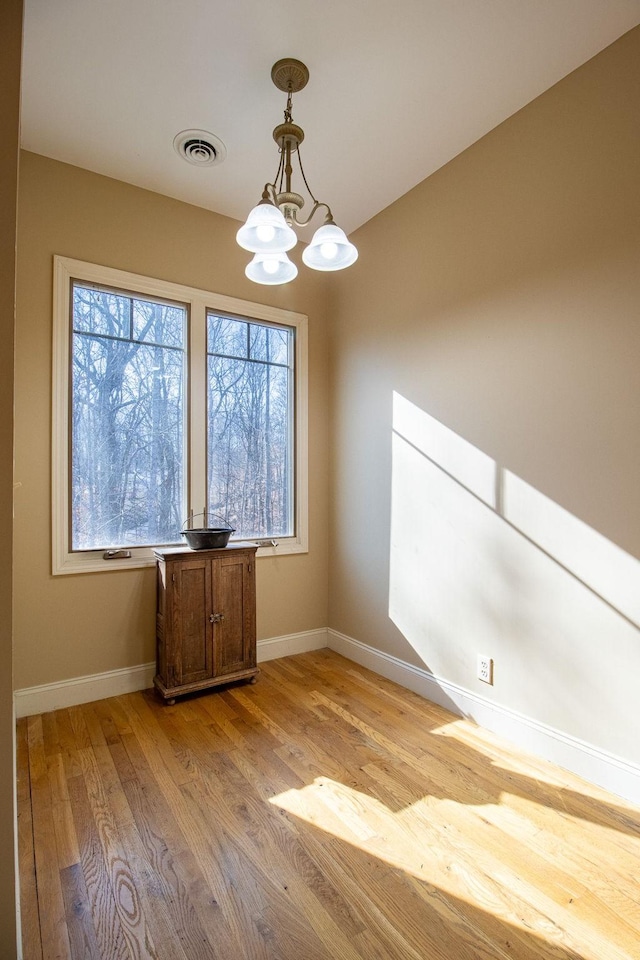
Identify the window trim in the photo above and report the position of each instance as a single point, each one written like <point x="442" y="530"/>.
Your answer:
<point x="65" y="561"/>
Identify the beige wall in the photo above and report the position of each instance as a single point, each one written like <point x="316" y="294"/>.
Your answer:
<point x="10" y="56"/>
<point x="496" y="508"/>
<point x="70" y="626"/>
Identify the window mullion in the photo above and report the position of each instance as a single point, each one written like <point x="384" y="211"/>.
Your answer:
<point x="197" y="431"/>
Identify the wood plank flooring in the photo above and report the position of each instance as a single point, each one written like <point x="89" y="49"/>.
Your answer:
<point x="322" y="813"/>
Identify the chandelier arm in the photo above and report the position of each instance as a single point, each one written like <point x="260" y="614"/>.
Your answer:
<point x="304" y="178"/>
<point x="316" y="206"/>
<point x="270" y="194"/>
<point x="279" y="171"/>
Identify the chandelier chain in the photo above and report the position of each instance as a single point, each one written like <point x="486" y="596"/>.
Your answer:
<point x="288" y="118"/>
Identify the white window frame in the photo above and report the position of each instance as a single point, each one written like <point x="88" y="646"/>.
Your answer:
<point x="66" y="561"/>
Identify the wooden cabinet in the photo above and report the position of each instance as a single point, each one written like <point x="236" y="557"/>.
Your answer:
<point x="205" y="619"/>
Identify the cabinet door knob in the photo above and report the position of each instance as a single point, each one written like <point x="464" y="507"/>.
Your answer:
<point x="216" y="617"/>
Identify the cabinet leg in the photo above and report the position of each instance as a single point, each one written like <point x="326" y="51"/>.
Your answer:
<point x="171" y="701"/>
<point x="253" y="680"/>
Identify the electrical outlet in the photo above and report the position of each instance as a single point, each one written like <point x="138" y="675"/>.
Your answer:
<point x="485" y="669"/>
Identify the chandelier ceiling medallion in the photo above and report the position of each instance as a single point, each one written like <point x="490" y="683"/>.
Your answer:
<point x="268" y="232"/>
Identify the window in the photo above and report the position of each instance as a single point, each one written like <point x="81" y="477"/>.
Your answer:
<point x="170" y="402"/>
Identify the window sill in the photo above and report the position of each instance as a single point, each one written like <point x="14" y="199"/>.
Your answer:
<point x="93" y="562"/>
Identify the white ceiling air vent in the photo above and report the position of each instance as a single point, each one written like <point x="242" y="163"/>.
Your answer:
<point x="200" y="148"/>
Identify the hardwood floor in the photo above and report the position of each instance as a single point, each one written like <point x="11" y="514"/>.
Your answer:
<point x="322" y="813"/>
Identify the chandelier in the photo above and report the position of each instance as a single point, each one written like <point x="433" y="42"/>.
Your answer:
<point x="268" y="232"/>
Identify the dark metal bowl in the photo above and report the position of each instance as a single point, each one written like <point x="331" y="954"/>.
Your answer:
<point x="208" y="538"/>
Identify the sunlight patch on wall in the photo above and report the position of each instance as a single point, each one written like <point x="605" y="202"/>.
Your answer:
<point x="596" y="561"/>
<point x="440" y="537"/>
<point x="460" y="459"/>
<point x="481" y="562"/>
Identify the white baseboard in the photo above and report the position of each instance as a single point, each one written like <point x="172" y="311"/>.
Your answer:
<point x="69" y="693"/>
<point x="99" y="686"/>
<point x="292" y="643"/>
<point x="593" y="764"/>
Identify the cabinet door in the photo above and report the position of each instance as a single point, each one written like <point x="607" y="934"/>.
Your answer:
<point x="234" y="598"/>
<point x="193" y="654"/>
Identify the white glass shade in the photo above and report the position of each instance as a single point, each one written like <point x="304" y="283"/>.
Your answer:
<point x="271" y="268"/>
<point x="266" y="231"/>
<point x="329" y="249"/>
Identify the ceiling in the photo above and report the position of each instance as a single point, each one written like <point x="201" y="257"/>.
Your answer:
<point x="396" y="89"/>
